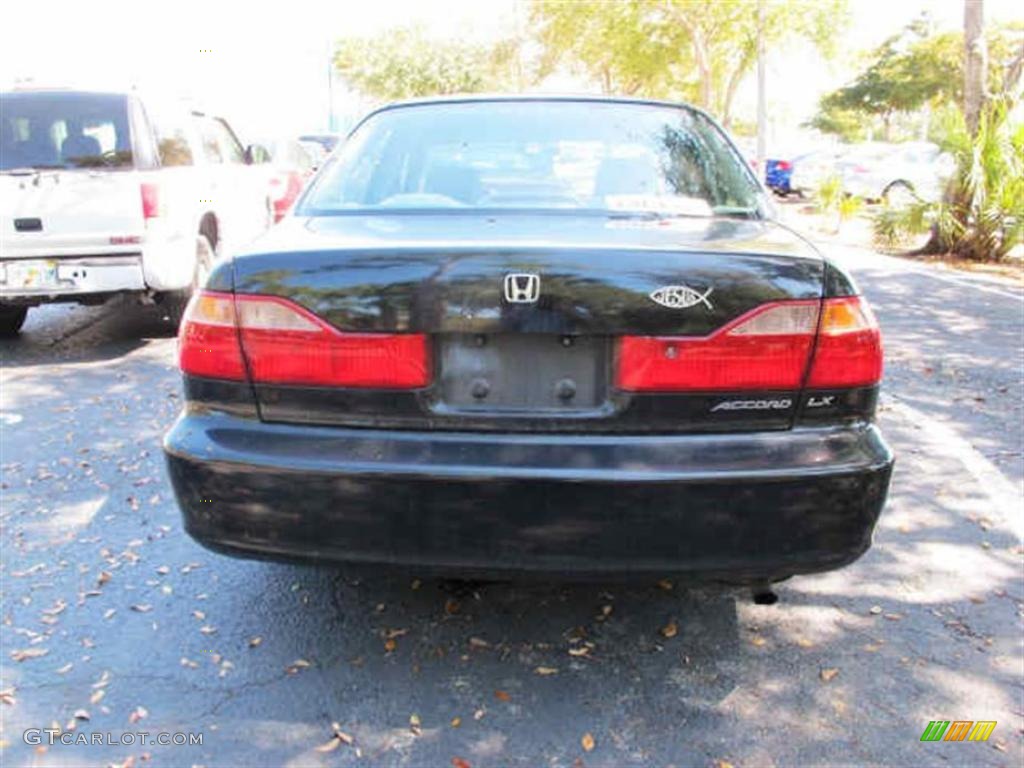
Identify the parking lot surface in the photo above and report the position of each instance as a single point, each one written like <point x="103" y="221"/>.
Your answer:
<point x="114" y="620"/>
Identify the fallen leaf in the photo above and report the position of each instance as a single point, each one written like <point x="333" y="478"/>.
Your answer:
<point x="28" y="653"/>
<point x="198" y="615"/>
<point x="58" y="607"/>
<point x="587" y="742"/>
<point x="390" y="645"/>
<point x="255" y="641"/>
<point x="97" y="696"/>
<point x="544" y="671"/>
<point x="390" y="634"/>
<point x="458" y="762"/>
<point x="340" y="735"/>
<point x="501" y="696"/>
<point x="137" y="714"/>
<point x="583" y="650"/>
<point x="81" y="714"/>
<point x="65" y="669"/>
<point x="142" y="608"/>
<point x="875" y="610"/>
<point x="206" y="629"/>
<point x="828" y="674"/>
<point x="451" y="606"/>
<point x="329" y="746"/>
<point x="479" y="714"/>
<point x="666" y="585"/>
<point x="758" y="640"/>
<point x="456" y="722"/>
<point x="296" y="665"/>
<point x="478" y="642"/>
<point x="670" y="630"/>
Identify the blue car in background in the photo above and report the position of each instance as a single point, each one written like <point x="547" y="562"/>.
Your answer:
<point x="777" y="175"/>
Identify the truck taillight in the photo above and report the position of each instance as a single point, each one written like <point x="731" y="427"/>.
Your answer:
<point x="280" y="342"/>
<point x="767" y="348"/>
<point x="150" y="200"/>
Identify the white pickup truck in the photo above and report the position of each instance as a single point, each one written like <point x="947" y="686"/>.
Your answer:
<point x="104" y="193"/>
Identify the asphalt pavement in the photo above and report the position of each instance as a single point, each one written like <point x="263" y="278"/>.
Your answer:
<point x="114" y="621"/>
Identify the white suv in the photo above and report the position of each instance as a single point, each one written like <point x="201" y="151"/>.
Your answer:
<point x="106" y="193"/>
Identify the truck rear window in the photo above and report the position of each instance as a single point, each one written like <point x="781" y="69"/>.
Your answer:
<point x="64" y="130"/>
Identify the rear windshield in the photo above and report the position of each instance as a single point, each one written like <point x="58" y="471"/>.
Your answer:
<point x="64" y="130"/>
<point x="537" y="154"/>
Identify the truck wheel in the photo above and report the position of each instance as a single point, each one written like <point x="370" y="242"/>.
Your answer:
<point x="11" y="320"/>
<point x="175" y="302"/>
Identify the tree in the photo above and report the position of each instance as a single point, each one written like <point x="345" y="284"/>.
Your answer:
<point x="916" y="68"/>
<point x="907" y="71"/>
<point x="697" y="50"/>
<point x="722" y="38"/>
<point x="620" y="45"/>
<point x="975" y="62"/>
<point x="403" y="63"/>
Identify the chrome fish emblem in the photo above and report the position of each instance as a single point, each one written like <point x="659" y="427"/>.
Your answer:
<point x="680" y="297"/>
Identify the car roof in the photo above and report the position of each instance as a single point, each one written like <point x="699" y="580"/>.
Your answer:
<point x="470" y="98"/>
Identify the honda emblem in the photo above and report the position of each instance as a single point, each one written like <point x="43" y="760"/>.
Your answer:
<point x="522" y="288"/>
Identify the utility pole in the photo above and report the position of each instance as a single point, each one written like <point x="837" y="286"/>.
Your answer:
<point x="762" y="103"/>
<point x="330" y="85"/>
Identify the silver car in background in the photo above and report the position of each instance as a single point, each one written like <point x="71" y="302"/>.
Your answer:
<point x="895" y="173"/>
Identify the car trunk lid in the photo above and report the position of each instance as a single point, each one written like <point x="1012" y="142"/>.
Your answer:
<point x="525" y="316"/>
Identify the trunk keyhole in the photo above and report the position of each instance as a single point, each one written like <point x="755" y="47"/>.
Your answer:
<point x="565" y="389"/>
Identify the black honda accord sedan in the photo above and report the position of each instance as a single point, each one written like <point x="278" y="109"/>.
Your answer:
<point x="533" y="335"/>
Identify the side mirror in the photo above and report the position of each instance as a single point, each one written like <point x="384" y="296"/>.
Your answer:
<point x="256" y="154"/>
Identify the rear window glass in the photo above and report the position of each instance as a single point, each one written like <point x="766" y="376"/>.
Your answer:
<point x="537" y="154"/>
<point x="64" y="130"/>
<point x="172" y="129"/>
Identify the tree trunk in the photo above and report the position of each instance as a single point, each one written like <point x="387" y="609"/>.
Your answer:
<point x="975" y="62"/>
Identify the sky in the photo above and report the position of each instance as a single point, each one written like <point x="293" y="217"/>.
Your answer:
<point x="268" y="71"/>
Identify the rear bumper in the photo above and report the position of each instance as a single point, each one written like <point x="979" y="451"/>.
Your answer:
<point x="76" y="278"/>
<point x="735" y="507"/>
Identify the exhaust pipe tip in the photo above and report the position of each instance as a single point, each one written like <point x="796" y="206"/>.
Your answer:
<point x="764" y="595"/>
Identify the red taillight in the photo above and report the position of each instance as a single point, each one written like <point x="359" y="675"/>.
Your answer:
<point x="284" y="190"/>
<point x="767" y="348"/>
<point x="849" y="348"/>
<point x="286" y="344"/>
<point x="150" y="200"/>
<point x="208" y="338"/>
